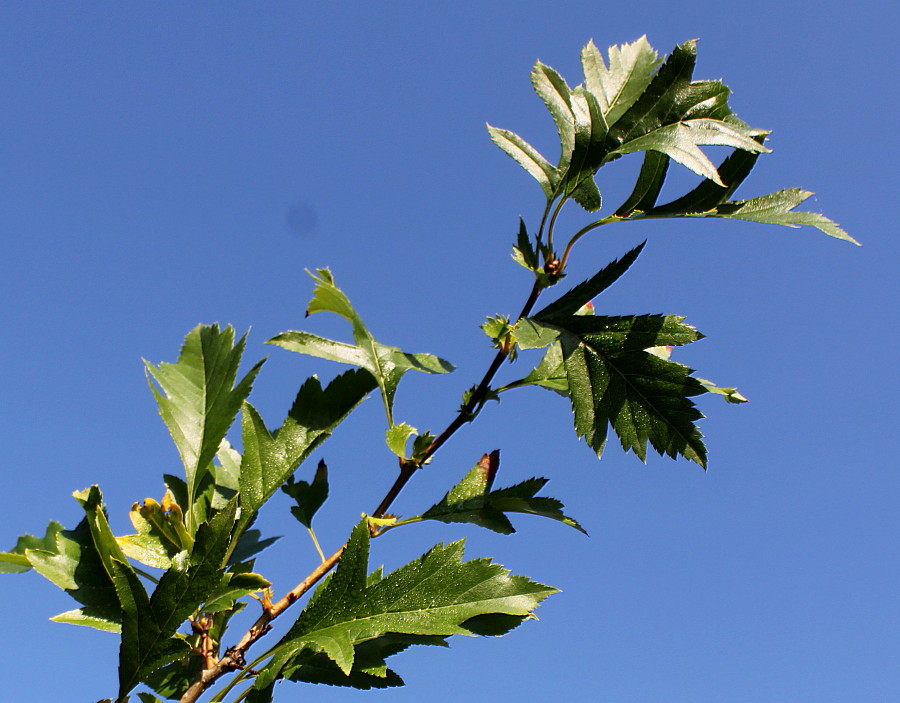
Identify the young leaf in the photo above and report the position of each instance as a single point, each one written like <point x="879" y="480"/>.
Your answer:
<point x="386" y="364"/>
<point x="161" y="533"/>
<point x="309" y="496"/>
<point x="730" y="395"/>
<point x="472" y="500"/>
<point x="269" y="460"/>
<point x="550" y="373"/>
<point x="199" y="401"/>
<point x="434" y="595"/>
<point x="397" y="438"/>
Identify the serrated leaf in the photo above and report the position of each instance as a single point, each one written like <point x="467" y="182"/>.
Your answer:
<point x="473" y="501"/>
<point x="681" y="142"/>
<point x="556" y="94"/>
<point x="433" y="596"/>
<point x="249" y="545"/>
<point x="269" y="460"/>
<point x="614" y="382"/>
<point x="648" y="185"/>
<point x="198" y="399"/>
<point x="550" y="373"/>
<point x="528" y="158"/>
<point x="778" y="209"/>
<point x="15" y="562"/>
<point x="630" y="71"/>
<point x="530" y="335"/>
<point x="309" y="496"/>
<point x="523" y="252"/>
<point x="569" y="304"/>
<point x="386" y="364"/>
<point x="369" y="666"/>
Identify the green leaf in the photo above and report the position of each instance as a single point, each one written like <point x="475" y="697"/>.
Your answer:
<point x="614" y="382"/>
<point x="549" y="374"/>
<point x="15" y="561"/>
<point x="731" y="395"/>
<point x="309" y="496"/>
<point x="557" y="96"/>
<point x="630" y="71"/>
<point x="161" y="533"/>
<point x="433" y="596"/>
<point x="472" y="500"/>
<point x="569" y="304"/>
<point x="523" y="252"/>
<point x="397" y="438"/>
<point x="199" y="400"/>
<point x="386" y="364"/>
<point x="681" y="142"/>
<point x="778" y="209"/>
<point x="249" y="545"/>
<point x="528" y="158"/>
<point x="369" y="667"/>
<point x="73" y="563"/>
<point x="149" y="623"/>
<point x="648" y="184"/>
<point x="269" y="460"/>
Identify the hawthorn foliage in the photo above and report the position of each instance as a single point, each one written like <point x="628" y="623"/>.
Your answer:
<point x="170" y="589"/>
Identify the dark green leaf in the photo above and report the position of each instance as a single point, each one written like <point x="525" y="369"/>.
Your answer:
<point x="74" y="564"/>
<point x="149" y="624"/>
<point x="523" y="251"/>
<point x="648" y="184"/>
<point x="269" y="460"/>
<point x="570" y="303"/>
<point x="309" y="496"/>
<point x="433" y="596"/>
<point x="613" y="381"/>
<point x="249" y="545"/>
<point x="473" y="501"/>
<point x="199" y="401"/>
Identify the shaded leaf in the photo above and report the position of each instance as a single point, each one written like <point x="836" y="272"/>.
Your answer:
<point x="249" y="545"/>
<point x="473" y="500"/>
<point x="269" y="460"/>
<point x="15" y="561"/>
<point x="648" y="185"/>
<point x="569" y="304"/>
<point x="309" y="496"/>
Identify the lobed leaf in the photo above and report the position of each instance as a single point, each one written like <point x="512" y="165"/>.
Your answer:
<point x="198" y="399"/>
<point x="473" y="500"/>
<point x="386" y="364"/>
<point x="630" y="71"/>
<point x="270" y="460"/>
<point x="432" y="596"/>
<point x="528" y="158"/>
<point x="15" y="561"/>
<point x="309" y="496"/>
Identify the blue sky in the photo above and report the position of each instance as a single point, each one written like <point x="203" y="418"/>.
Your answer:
<point x="167" y="164"/>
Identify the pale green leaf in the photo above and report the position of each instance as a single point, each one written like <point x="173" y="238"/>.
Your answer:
<point x="730" y="395"/>
<point x="556" y="94"/>
<point x="397" y="438"/>
<point x="630" y="71"/>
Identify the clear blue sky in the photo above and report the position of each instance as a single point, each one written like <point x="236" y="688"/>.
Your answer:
<point x="165" y="164"/>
